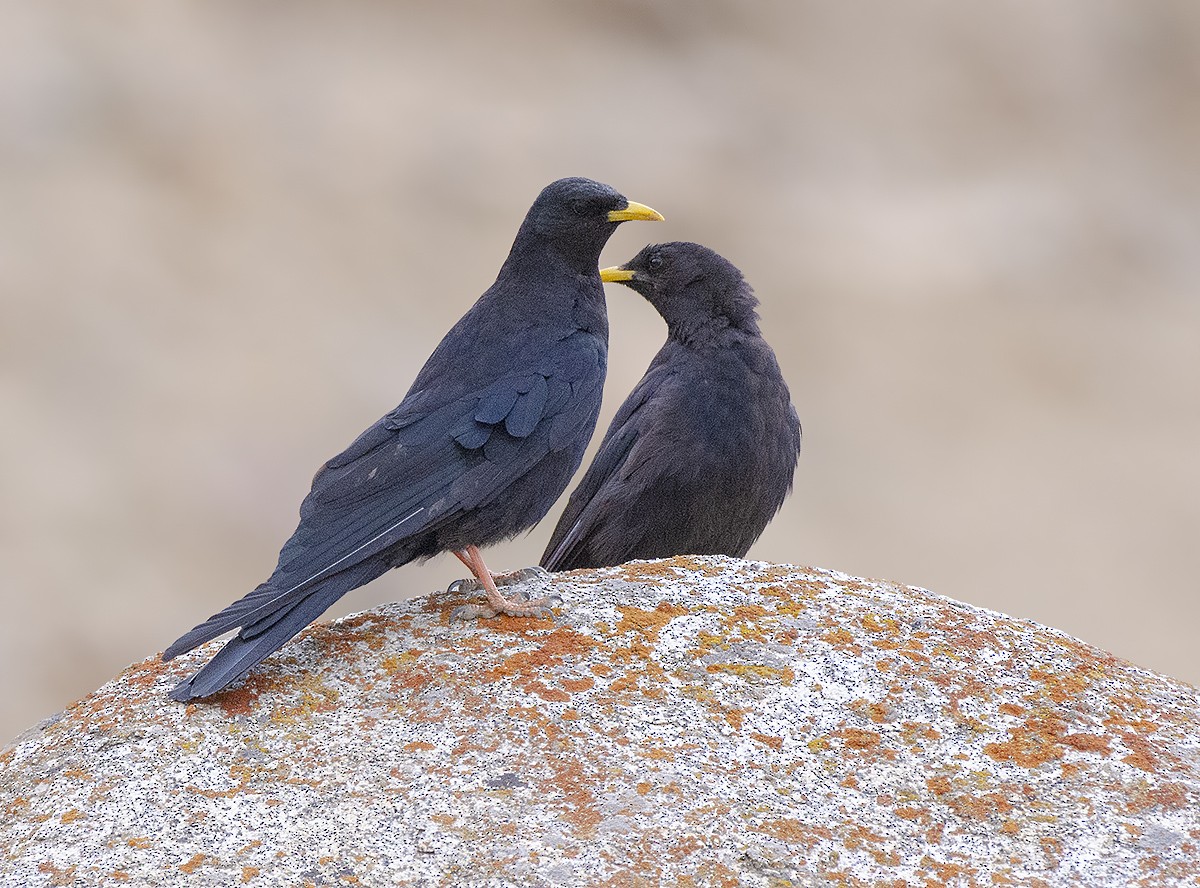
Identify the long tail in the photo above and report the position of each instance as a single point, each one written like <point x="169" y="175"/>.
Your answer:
<point x="264" y="630"/>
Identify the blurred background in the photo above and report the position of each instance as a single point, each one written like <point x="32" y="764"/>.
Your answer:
<point x="231" y="233"/>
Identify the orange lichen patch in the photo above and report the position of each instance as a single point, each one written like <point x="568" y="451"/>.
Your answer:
<point x="872" y="623"/>
<point x="418" y="746"/>
<point x="772" y="591"/>
<point x="949" y="872"/>
<point x="248" y="873"/>
<point x="570" y="715"/>
<point x="735" y="717"/>
<point x="443" y="819"/>
<point x="1061" y="686"/>
<point x="575" y="786"/>
<point x="909" y="813"/>
<point x="1165" y="795"/>
<point x="554" y="695"/>
<point x="857" y="738"/>
<point x="747" y="612"/>
<point x="791" y="830"/>
<point x="119" y="875"/>
<point x="914" y="732"/>
<point x="648" y="623"/>
<point x="13" y="808"/>
<point x="669" y="568"/>
<point x="395" y="662"/>
<point x="239" y="701"/>
<point x="139" y="842"/>
<point x="979" y="806"/>
<point x="1140" y="755"/>
<point x="65" y="876"/>
<point x="938" y="785"/>
<point x="1087" y="743"/>
<point x="144" y="674"/>
<point x="194" y="864"/>
<point x="775" y="743"/>
<point x="1070" y="770"/>
<point x="841" y="638"/>
<point x="553" y="651"/>
<point x="1037" y="741"/>
<point x="577" y="685"/>
<point x="1010" y="709"/>
<point x="519" y="625"/>
<point x="878" y="712"/>
<point x="563" y="642"/>
<point x="627" y="682"/>
<point x="643" y="787"/>
<point x="71" y="815"/>
<point x="660" y="753"/>
<point x="639" y="652"/>
<point x="1141" y="725"/>
<point x="601" y="669"/>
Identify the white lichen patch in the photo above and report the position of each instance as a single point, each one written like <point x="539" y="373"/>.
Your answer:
<point x="695" y="721"/>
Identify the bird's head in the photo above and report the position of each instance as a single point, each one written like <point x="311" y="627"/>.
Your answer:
<point x="577" y="217"/>
<point x="690" y="285"/>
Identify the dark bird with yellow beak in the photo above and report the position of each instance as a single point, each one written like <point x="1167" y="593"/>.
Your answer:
<point x="701" y="454"/>
<point x="486" y="439"/>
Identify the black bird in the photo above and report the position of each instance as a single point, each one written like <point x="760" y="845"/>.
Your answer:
<point x="486" y="439"/>
<point x="701" y="454"/>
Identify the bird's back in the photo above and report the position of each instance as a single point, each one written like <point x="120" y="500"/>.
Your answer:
<point x="697" y="460"/>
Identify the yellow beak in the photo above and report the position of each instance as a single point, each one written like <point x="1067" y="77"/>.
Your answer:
<point x="615" y="274"/>
<point x="635" y="212"/>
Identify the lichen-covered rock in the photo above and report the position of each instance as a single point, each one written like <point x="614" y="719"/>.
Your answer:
<point x="685" y="722"/>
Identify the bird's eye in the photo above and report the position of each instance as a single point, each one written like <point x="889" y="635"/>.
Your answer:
<point x="580" y="207"/>
<point x="654" y="261"/>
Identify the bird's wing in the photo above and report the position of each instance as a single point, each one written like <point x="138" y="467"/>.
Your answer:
<point x="408" y="473"/>
<point x="610" y="466"/>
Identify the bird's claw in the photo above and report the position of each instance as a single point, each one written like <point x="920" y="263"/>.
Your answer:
<point x="516" y="577"/>
<point x="482" y="611"/>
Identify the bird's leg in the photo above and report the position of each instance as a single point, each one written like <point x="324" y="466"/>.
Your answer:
<point x="512" y="577"/>
<point x="497" y="603"/>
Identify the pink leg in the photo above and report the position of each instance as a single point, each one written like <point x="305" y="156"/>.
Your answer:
<point x="497" y="602"/>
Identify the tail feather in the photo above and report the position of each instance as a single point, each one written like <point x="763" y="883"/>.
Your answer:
<point x="219" y="624"/>
<point x="241" y="655"/>
<point x="266" y="634"/>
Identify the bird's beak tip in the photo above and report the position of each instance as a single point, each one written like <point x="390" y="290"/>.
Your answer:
<point x="635" y="212"/>
<point x="615" y="274"/>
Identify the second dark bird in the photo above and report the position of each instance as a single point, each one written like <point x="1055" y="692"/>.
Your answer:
<point x="701" y="454"/>
<point x="486" y="439"/>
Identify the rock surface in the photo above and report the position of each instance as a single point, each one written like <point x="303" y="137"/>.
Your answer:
<point x="692" y="722"/>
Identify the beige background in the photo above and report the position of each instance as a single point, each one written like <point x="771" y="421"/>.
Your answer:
<point x="230" y="233"/>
